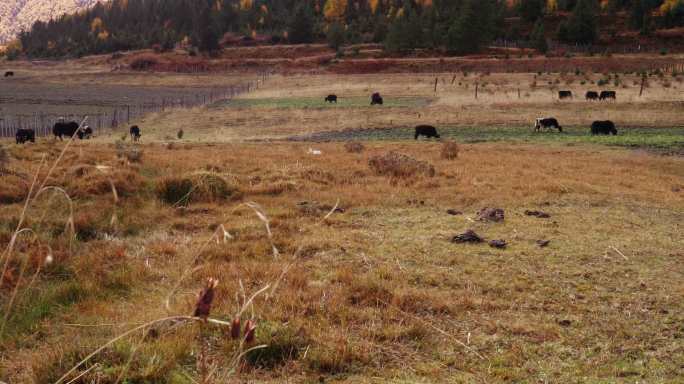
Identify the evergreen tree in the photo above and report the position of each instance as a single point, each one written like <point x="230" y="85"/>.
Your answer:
<point x="581" y="27"/>
<point x="301" y="27"/>
<point x="531" y="10"/>
<point x="335" y="35"/>
<point x="538" y="37"/>
<point x="474" y="27"/>
<point x="205" y="36"/>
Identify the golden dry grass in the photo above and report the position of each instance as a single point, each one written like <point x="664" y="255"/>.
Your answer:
<point x="367" y="286"/>
<point x="378" y="292"/>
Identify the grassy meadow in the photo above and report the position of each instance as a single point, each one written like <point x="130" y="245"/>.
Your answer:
<point x="344" y="261"/>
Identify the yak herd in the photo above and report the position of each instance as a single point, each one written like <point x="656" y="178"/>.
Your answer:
<point x="597" y="127"/>
<point x="590" y="95"/>
<point x="69" y="129"/>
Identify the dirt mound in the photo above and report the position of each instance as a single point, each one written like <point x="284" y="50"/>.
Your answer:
<point x="468" y="236"/>
<point x="491" y="214"/>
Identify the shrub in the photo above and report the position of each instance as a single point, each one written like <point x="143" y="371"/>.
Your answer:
<point x="129" y="152"/>
<point x="282" y="345"/>
<point x="144" y="63"/>
<point x="397" y="165"/>
<point x="13" y="189"/>
<point x="198" y="187"/>
<point x="354" y="147"/>
<point x="449" y="150"/>
<point x="180" y="134"/>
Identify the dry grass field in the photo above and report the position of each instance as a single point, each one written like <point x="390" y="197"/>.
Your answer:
<point x="349" y="273"/>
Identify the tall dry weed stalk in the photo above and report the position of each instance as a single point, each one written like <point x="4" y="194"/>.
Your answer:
<point x="38" y="187"/>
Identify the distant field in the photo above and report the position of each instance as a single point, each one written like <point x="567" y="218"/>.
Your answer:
<point x="662" y="139"/>
<point x="318" y="103"/>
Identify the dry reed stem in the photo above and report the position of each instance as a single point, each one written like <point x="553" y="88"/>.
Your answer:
<point x="8" y="252"/>
<point x="238" y="356"/>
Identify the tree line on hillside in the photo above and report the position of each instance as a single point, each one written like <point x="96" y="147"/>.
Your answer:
<point x="454" y="26"/>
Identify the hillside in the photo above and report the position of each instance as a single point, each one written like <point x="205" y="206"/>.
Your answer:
<point x="16" y="15"/>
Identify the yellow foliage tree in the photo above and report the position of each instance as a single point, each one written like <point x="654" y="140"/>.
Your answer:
<point x="334" y="9"/>
<point x="96" y="25"/>
<point x="551" y="5"/>
<point x="669" y="5"/>
<point x="246" y="4"/>
<point x="373" y="5"/>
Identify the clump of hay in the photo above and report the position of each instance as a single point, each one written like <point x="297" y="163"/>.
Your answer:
<point x="84" y="181"/>
<point x="354" y="147"/>
<point x="131" y="153"/>
<point x="398" y="165"/>
<point x="13" y="189"/>
<point x="449" y="150"/>
<point x="196" y="187"/>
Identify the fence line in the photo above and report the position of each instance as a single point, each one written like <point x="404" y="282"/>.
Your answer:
<point x="122" y="115"/>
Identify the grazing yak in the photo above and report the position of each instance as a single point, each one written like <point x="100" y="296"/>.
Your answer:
<point x="564" y="95"/>
<point x="606" y="127"/>
<point x="592" y="95"/>
<point x="331" y="99"/>
<point x="427" y="131"/>
<point x="62" y="128"/>
<point x="85" y="133"/>
<point x="135" y="133"/>
<point x="9" y="74"/>
<point x="376" y="99"/>
<point x="24" y="135"/>
<point x="547" y="123"/>
<point x="605" y="95"/>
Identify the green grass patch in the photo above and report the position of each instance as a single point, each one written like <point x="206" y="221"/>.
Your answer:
<point x="319" y="103"/>
<point x="662" y="139"/>
<point x="40" y="304"/>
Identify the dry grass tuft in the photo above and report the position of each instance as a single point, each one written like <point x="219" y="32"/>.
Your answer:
<point x="197" y="187"/>
<point x="354" y="147"/>
<point x="401" y="166"/>
<point x="131" y="153"/>
<point x="86" y="181"/>
<point x="12" y="189"/>
<point x="449" y="150"/>
<point x="4" y="158"/>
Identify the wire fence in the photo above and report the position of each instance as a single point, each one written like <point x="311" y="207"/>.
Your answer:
<point x="123" y="115"/>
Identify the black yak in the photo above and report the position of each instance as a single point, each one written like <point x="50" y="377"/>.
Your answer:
<point x="9" y="74"/>
<point x="547" y="123"/>
<point x="605" y="95"/>
<point x="564" y="95"/>
<point x="376" y="99"/>
<point x="331" y="99"/>
<point x="592" y="95"/>
<point x="603" y="128"/>
<point x="65" y="129"/>
<point x="24" y="135"/>
<point x="427" y="131"/>
<point x="135" y="133"/>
